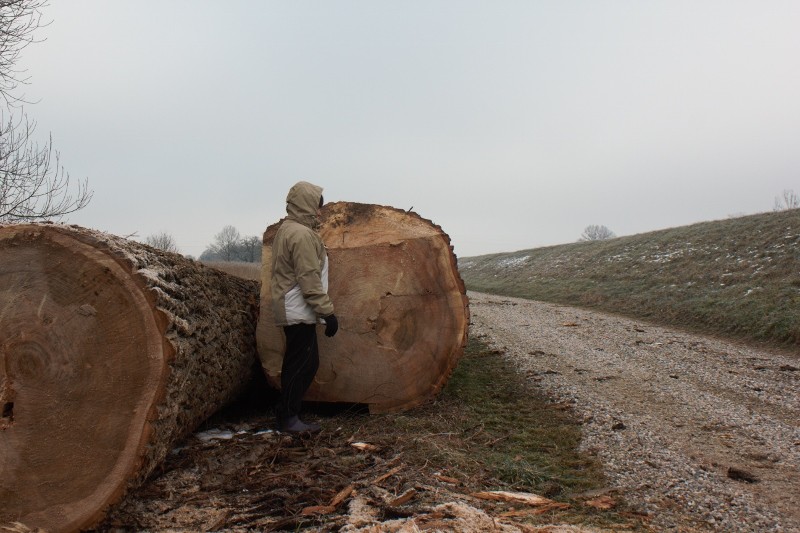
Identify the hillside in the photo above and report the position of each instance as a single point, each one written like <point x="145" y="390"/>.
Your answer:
<point x="739" y="277"/>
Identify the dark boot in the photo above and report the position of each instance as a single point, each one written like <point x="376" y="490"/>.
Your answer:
<point x="293" y="424"/>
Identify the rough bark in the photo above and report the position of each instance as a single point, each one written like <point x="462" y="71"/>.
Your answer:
<point x="110" y="353"/>
<point x="402" y="309"/>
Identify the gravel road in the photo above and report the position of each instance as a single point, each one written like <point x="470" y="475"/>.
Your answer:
<point x="700" y="433"/>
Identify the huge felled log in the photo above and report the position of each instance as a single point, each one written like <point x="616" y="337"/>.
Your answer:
<point x="402" y="309"/>
<point x="110" y="353"/>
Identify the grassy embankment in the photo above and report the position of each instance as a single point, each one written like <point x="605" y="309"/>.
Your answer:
<point x="738" y="277"/>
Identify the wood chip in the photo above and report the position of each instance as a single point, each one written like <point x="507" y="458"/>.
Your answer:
<point x="603" y="503"/>
<point x="363" y="446"/>
<point x="404" y="498"/>
<point x="528" y="498"/>
<point x="517" y="513"/>
<point x="569" y="324"/>
<point x="387" y="475"/>
<point x="446" y="479"/>
<point x="317" y="509"/>
<point x="342" y="496"/>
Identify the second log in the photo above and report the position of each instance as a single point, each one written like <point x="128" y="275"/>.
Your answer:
<point x="402" y="309"/>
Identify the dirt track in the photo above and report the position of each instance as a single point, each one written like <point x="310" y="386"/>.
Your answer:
<point x="700" y="433"/>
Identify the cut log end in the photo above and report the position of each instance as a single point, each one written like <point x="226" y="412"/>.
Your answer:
<point x="402" y="309"/>
<point x="110" y="353"/>
<point x="80" y="362"/>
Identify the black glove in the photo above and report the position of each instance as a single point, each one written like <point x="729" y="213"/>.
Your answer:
<point x="331" y="325"/>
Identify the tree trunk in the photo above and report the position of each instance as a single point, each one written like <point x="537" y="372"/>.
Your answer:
<point x="402" y="309"/>
<point x="110" y="353"/>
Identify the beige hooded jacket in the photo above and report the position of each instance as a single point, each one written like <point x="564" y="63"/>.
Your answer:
<point x="299" y="262"/>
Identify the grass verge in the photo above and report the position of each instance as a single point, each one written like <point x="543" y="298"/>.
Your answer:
<point x="493" y="430"/>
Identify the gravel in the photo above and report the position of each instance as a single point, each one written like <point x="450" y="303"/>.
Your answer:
<point x="701" y="434"/>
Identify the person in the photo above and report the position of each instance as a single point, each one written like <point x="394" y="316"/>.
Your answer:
<point x="299" y="293"/>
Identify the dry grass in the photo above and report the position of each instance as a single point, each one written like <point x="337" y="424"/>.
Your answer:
<point x="738" y="277"/>
<point x="251" y="271"/>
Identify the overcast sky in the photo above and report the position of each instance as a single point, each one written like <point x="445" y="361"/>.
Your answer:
<point x="510" y="124"/>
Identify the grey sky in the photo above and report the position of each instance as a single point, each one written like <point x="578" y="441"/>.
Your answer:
<point x="510" y="124"/>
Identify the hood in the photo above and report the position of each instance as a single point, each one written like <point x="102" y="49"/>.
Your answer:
<point x="302" y="203"/>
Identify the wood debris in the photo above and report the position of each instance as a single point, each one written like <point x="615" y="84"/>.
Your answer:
<point x="363" y="446"/>
<point x="387" y="475"/>
<point x="528" y="498"/>
<point x="521" y="513"/>
<point x="342" y="496"/>
<point x="404" y="498"/>
<point x="446" y="479"/>
<point x="317" y="509"/>
<point x="602" y="503"/>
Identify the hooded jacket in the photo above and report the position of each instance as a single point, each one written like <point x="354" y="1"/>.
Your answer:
<point x="299" y="282"/>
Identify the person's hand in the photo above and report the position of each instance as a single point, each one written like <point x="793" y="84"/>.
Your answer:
<point x="331" y="325"/>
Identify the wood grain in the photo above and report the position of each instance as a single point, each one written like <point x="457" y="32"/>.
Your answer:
<point x="110" y="353"/>
<point x="402" y="309"/>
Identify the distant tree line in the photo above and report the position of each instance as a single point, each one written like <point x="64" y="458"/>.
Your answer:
<point x="229" y="245"/>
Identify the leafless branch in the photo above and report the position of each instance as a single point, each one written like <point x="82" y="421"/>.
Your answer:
<point x="788" y="199"/>
<point x="33" y="184"/>
<point x="162" y="241"/>
<point x="18" y="21"/>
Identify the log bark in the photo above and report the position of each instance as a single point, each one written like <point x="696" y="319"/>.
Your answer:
<point x="402" y="309"/>
<point x="111" y="352"/>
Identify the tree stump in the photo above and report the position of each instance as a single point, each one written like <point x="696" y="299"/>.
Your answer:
<point x="110" y="353"/>
<point x="402" y="309"/>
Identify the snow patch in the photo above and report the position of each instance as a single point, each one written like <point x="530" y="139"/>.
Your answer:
<point x="513" y="261"/>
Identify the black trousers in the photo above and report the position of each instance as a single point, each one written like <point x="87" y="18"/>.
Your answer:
<point x="300" y="365"/>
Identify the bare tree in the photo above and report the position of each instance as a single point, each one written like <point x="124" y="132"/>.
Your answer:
<point x="162" y="241"/>
<point x="33" y="184"/>
<point x="787" y="200"/>
<point x="226" y="244"/>
<point x="596" y="233"/>
<point x="229" y="245"/>
<point x="250" y="249"/>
